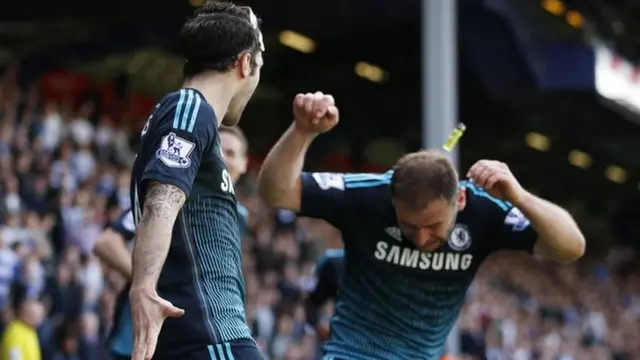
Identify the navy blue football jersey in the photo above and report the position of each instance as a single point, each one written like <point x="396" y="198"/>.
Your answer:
<point x="202" y="274"/>
<point x="328" y="274"/>
<point x="121" y="334"/>
<point x="396" y="302"/>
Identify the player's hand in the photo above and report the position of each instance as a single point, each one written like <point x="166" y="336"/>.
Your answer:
<point x="148" y="311"/>
<point x="315" y="113"/>
<point x="497" y="180"/>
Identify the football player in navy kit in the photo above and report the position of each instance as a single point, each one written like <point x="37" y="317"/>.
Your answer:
<point x="187" y="290"/>
<point x="112" y="245"/>
<point x="413" y="236"/>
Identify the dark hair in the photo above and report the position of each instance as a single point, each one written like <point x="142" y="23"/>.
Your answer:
<point x="237" y="132"/>
<point x="216" y="35"/>
<point x="422" y="177"/>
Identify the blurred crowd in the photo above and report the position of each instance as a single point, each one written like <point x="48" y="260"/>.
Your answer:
<point x="64" y="173"/>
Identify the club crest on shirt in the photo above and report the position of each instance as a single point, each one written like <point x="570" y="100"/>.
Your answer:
<point x="174" y="151"/>
<point x="460" y="238"/>
<point x="517" y="220"/>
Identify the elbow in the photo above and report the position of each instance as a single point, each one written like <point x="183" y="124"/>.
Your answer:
<point x="265" y="189"/>
<point x="99" y="246"/>
<point x="270" y="191"/>
<point x="278" y="194"/>
<point x="579" y="248"/>
<point x="576" y="250"/>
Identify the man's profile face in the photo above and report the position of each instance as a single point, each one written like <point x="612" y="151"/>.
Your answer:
<point x="248" y="69"/>
<point x="235" y="157"/>
<point x="429" y="228"/>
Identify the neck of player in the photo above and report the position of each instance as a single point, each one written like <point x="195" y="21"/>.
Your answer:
<point x="217" y="89"/>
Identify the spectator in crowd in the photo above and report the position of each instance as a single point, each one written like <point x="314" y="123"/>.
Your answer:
<point x="20" y="338"/>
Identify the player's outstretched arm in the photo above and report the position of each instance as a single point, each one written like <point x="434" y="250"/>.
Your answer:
<point x="279" y="180"/>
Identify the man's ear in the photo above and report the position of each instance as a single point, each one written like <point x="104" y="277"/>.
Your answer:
<point x="244" y="64"/>
<point x="461" y="201"/>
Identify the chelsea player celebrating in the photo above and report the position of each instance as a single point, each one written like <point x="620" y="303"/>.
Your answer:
<point x="414" y="237"/>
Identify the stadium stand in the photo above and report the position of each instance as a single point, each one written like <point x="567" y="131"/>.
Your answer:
<point x="62" y="180"/>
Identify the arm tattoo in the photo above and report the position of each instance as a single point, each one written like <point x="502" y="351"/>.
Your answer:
<point x="161" y="203"/>
<point x="153" y="234"/>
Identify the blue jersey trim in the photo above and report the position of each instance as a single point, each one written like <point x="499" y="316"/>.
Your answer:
<point x="191" y="108"/>
<point x="220" y="352"/>
<point x="352" y="181"/>
<point x="476" y="190"/>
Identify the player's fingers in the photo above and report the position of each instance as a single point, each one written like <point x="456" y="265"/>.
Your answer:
<point x="151" y="346"/>
<point x="139" y="346"/>
<point x="321" y="113"/>
<point x="174" y="312"/>
<point x="474" y="170"/>
<point x="329" y="100"/>
<point x="308" y="103"/>
<point x="492" y="180"/>
<point x="481" y="176"/>
<point x="332" y="113"/>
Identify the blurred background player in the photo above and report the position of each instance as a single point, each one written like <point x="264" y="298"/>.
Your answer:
<point x="112" y="246"/>
<point x="414" y="236"/>
<point x="184" y="201"/>
<point x="235" y="147"/>
<point x="329" y="270"/>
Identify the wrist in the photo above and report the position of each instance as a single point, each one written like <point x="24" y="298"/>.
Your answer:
<point x="137" y="289"/>
<point x="307" y="136"/>
<point x="522" y="199"/>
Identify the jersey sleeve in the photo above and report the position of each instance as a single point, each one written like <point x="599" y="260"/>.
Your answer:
<point x="125" y="225"/>
<point x="324" y="196"/>
<point x="181" y="139"/>
<point x="509" y="227"/>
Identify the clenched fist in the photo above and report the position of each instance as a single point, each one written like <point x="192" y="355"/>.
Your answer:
<point x="315" y="113"/>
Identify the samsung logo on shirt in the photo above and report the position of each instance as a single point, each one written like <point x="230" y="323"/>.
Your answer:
<point x="415" y="259"/>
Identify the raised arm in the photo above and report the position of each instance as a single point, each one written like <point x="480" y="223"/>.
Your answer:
<point x="526" y="222"/>
<point x="279" y="181"/>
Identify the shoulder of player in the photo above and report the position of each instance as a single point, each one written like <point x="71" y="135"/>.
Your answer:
<point x="370" y="186"/>
<point x="330" y="257"/>
<point x="481" y="205"/>
<point x="186" y="110"/>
